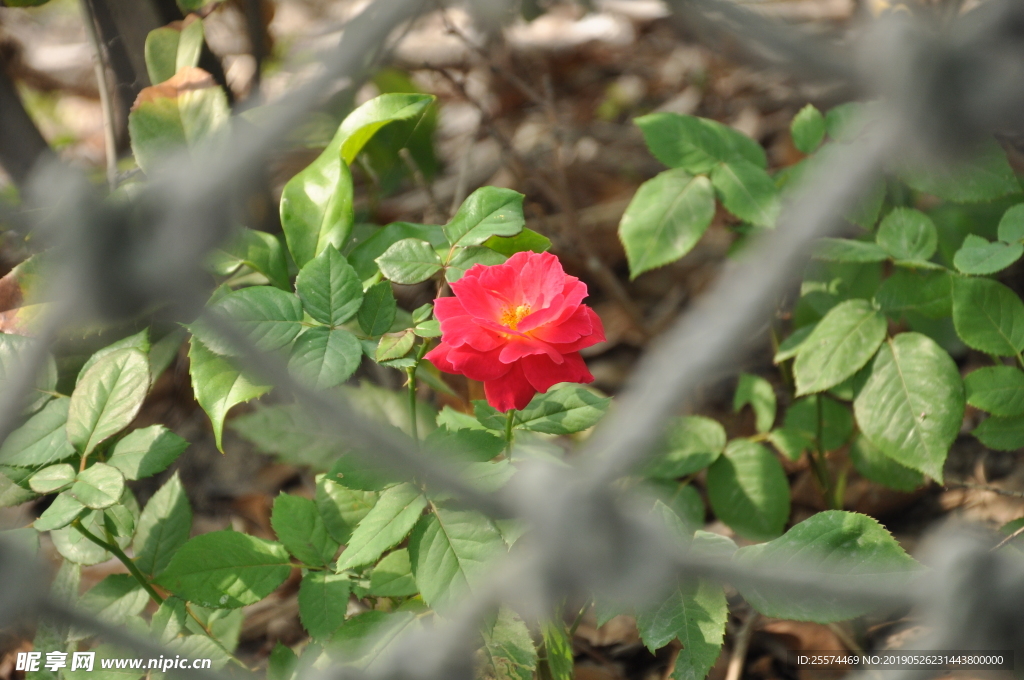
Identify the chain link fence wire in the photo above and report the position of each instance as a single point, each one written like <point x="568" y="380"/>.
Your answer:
<point x="941" y="86"/>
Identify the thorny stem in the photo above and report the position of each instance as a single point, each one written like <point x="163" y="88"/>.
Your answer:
<point x="510" y="419"/>
<point x="124" y="559"/>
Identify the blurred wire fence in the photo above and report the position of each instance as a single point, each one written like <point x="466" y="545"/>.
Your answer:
<point x="940" y="86"/>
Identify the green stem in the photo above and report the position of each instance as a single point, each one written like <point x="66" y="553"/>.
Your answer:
<point x="413" y="425"/>
<point x="413" y="383"/>
<point x="579" y="619"/>
<point x="124" y="559"/>
<point x="510" y="419"/>
<point x="820" y="465"/>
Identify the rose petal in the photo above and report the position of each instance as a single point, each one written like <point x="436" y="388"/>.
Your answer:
<point x="596" y="335"/>
<point x="464" y="330"/>
<point x="448" y="307"/>
<point x="439" y="357"/>
<point x="477" y="365"/>
<point x="543" y="373"/>
<point x="518" y="347"/>
<point x="478" y="299"/>
<point x="570" y="330"/>
<point x="511" y="391"/>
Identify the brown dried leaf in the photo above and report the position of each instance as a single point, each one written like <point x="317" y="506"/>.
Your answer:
<point x="187" y="79"/>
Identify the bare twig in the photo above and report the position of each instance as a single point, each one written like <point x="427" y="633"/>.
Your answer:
<point x="103" y="83"/>
<point x="739" y="649"/>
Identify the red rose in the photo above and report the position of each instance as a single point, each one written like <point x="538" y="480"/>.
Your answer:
<point x="517" y="327"/>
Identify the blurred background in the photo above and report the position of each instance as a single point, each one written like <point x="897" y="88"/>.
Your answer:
<point x="541" y="102"/>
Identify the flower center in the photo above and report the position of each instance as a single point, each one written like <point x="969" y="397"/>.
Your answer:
<point x="511" y="316"/>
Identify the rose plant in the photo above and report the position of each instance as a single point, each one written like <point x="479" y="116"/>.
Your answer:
<point x="866" y="374"/>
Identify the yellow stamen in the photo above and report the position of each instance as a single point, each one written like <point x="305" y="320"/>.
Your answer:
<point x="511" y="317"/>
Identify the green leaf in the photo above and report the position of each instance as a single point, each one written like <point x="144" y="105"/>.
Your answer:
<point x="73" y="545"/>
<point x="747" y="192"/>
<point x="62" y="511"/>
<point x="362" y="472"/>
<point x="696" y="144"/>
<point x="170" y="48"/>
<point x="665" y="219"/>
<point x="282" y="663"/>
<point x="682" y="500"/>
<point x="52" y="478"/>
<point x="144" y="452"/>
<point x="693" y="443"/>
<point x="409" y="261"/>
<point x="984" y="177"/>
<point x="525" y="241"/>
<point x="451" y="552"/>
<point x="908" y="234"/>
<point x="706" y="612"/>
<point x="394" y="346"/>
<point x="13" y="350"/>
<point x="808" y="129"/>
<point x="996" y="389"/>
<point x="270" y="317"/>
<point x="11" y="491"/>
<point x="259" y="251"/>
<point x="390" y="520"/>
<point x="342" y="508"/>
<point x="840" y="345"/>
<point x="789" y="347"/>
<point x="564" y="410"/>
<point x="696" y="613"/>
<point x="847" y="250"/>
<point x="1001" y="434"/>
<point x="428" y="329"/>
<point x="488" y="211"/>
<point x="466" y="258"/>
<point x="509" y="652"/>
<point x="116" y="598"/>
<point x="289" y="432"/>
<point x="300" y="528"/>
<point x="107" y="398"/>
<point x="802" y="421"/>
<point x="978" y="256"/>
<point x="188" y="111"/>
<point x="988" y="316"/>
<point x="361" y="125"/>
<point x="218" y="386"/>
<point x="323" y="601"/>
<point x="325" y="358"/>
<point x="329" y="288"/>
<point x="316" y="206"/>
<point x="378" y="310"/>
<point x="558" y="650"/>
<point x="163" y="527"/>
<point x="226" y="570"/>
<point x="912" y="405"/>
<point x="139" y="341"/>
<point x="472" y="445"/>
<point x="876" y="466"/>
<point x="929" y="293"/>
<point x="392" y="577"/>
<point x="98" y="486"/>
<point x="760" y="395"/>
<point x="366" y="641"/>
<point x="1011" y="225"/>
<point x="363" y="257"/>
<point x="748" y="490"/>
<point x="852" y="548"/>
